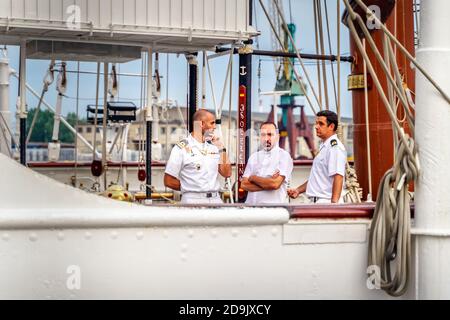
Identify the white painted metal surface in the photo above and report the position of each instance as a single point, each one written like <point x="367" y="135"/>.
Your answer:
<point x="57" y="242"/>
<point x="164" y="24"/>
<point x="180" y="262"/>
<point x="433" y="135"/>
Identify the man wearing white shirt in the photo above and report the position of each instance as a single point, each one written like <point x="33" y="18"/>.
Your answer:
<point x="268" y="171"/>
<point x="195" y="163"/>
<point x="326" y="181"/>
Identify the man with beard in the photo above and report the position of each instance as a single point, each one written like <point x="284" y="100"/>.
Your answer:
<point x="268" y="171"/>
<point x="196" y="162"/>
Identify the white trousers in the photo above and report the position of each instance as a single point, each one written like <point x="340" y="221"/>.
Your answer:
<point x="324" y="201"/>
<point x="200" y="198"/>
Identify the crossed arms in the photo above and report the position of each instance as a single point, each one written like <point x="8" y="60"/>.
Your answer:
<point x="255" y="183"/>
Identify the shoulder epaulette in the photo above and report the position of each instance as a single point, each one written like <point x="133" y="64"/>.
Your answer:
<point x="334" y="142"/>
<point x="182" y="143"/>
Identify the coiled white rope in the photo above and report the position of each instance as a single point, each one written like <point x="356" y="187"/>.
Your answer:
<point x="389" y="239"/>
<point x="390" y="236"/>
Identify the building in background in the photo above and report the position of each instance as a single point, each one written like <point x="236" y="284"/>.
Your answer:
<point x="172" y="128"/>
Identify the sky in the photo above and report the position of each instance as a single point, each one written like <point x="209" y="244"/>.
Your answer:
<point x="174" y="82"/>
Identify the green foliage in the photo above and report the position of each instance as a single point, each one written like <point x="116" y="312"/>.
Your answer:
<point x="43" y="128"/>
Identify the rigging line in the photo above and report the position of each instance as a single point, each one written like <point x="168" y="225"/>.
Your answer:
<point x="203" y="79"/>
<point x="255" y="15"/>
<point x="211" y="84"/>
<point x="338" y="22"/>
<point x="416" y="23"/>
<point x="399" y="79"/>
<point x="390" y="90"/>
<point x="230" y="103"/>
<point x="187" y="98"/>
<point x="144" y="98"/>
<point x="376" y="80"/>
<point x="368" y="141"/>
<point x="35" y="116"/>
<point x="6" y="126"/>
<point x="104" y="124"/>
<point x="379" y="58"/>
<point x="331" y="50"/>
<point x="404" y="50"/>
<point x="94" y="142"/>
<point x="5" y="138"/>
<point x="222" y="100"/>
<point x="257" y="47"/>
<point x="167" y="103"/>
<point x="295" y="71"/>
<point x="120" y="148"/>
<point x="48" y="80"/>
<point x="300" y="59"/>
<point x="275" y="46"/>
<point x="316" y="33"/>
<point x="290" y="12"/>
<point x="322" y="50"/>
<point x="141" y="108"/>
<point x="77" y="123"/>
<point x="118" y="79"/>
<point x="259" y="63"/>
<point x="4" y="129"/>
<point x="145" y="80"/>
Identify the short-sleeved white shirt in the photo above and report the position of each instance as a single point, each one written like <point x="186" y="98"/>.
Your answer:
<point x="265" y="164"/>
<point x="196" y="166"/>
<point x="330" y="161"/>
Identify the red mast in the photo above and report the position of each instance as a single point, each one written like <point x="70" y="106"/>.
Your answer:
<point x="401" y="24"/>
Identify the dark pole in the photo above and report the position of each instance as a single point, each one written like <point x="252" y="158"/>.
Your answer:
<point x="23" y="141"/>
<point x="310" y="56"/>
<point x="193" y="92"/>
<point x="244" y="112"/>
<point x="244" y="107"/>
<point x="148" y="158"/>
<point x="149" y="125"/>
<point x="22" y="94"/>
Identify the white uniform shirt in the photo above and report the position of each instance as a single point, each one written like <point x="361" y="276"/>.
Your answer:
<point x="330" y="161"/>
<point x="265" y="164"/>
<point x="196" y="166"/>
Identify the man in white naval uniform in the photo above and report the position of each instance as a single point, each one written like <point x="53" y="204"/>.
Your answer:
<point x="195" y="163"/>
<point x="327" y="176"/>
<point x="268" y="171"/>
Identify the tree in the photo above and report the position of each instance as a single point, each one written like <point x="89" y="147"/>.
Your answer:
<point x="43" y="128"/>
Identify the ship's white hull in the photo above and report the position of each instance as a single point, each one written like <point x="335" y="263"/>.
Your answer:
<point x="62" y="243"/>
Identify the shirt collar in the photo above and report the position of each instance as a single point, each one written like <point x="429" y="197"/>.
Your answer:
<point x="324" y="143"/>
<point x="194" y="141"/>
<point x="274" y="150"/>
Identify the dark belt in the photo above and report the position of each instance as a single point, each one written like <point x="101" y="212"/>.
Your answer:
<point x="314" y="199"/>
<point x="206" y="194"/>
